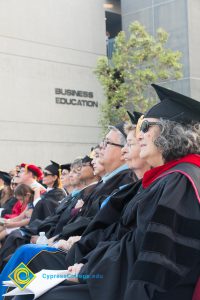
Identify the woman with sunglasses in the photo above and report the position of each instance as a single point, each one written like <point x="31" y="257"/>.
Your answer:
<point x="159" y="258"/>
<point x="45" y="204"/>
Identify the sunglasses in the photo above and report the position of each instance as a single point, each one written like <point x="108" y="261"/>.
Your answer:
<point x="146" y="125"/>
<point x="47" y="174"/>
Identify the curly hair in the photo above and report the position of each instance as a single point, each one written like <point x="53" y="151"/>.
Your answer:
<point x="177" y="140"/>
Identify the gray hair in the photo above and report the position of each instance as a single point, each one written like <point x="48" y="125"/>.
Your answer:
<point x="177" y="140"/>
<point x="129" y="127"/>
<point x="76" y="163"/>
<point x="122" y="139"/>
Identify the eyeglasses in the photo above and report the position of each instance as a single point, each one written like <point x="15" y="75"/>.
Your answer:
<point x="146" y="125"/>
<point x="106" y="142"/>
<point x="47" y="174"/>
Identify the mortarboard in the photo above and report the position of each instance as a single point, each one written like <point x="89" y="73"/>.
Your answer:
<point x="134" y="117"/>
<point x="86" y="159"/>
<point x="53" y="168"/>
<point x="5" y="177"/>
<point x="174" y="106"/>
<point x="66" y="167"/>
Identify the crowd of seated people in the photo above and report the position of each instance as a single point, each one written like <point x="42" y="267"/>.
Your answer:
<point x="131" y="212"/>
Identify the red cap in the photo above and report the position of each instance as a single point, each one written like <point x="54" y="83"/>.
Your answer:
<point x="34" y="169"/>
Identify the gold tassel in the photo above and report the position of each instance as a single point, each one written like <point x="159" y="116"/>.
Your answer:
<point x="139" y="123"/>
<point x="92" y="154"/>
<point x="26" y="168"/>
<point x="59" y="177"/>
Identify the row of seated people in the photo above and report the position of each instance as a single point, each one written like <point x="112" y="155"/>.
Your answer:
<point x="32" y="176"/>
<point x="25" y="205"/>
<point x="85" y="178"/>
<point x="138" y="226"/>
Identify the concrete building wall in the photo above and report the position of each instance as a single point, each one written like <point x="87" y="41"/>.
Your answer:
<point x="194" y="46"/>
<point x="47" y="47"/>
<point x="174" y="17"/>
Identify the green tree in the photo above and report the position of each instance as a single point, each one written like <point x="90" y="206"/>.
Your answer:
<point x="137" y="62"/>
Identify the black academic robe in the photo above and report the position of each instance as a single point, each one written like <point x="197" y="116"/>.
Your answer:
<point x="48" y="203"/>
<point x="56" y="260"/>
<point x="92" y="203"/>
<point x="106" y="225"/>
<point x="159" y="258"/>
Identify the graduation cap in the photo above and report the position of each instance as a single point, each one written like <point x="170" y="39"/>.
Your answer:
<point x="120" y="127"/>
<point x="86" y="159"/>
<point x="174" y="106"/>
<point x="134" y="117"/>
<point x="54" y="167"/>
<point x="5" y="177"/>
<point x="66" y="167"/>
<point x="34" y="169"/>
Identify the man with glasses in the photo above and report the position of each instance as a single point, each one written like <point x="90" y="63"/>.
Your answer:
<point x="111" y="157"/>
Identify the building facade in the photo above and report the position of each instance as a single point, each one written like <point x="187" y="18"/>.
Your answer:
<point x="49" y="95"/>
<point x="180" y="18"/>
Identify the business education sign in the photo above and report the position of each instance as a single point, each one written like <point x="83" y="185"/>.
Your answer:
<point x="75" y="97"/>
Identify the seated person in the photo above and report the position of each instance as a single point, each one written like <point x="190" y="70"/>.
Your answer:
<point x="31" y="175"/>
<point x="5" y="189"/>
<point x="21" y="212"/>
<point x="8" y="205"/>
<point x="65" y="179"/>
<point x="46" y="203"/>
